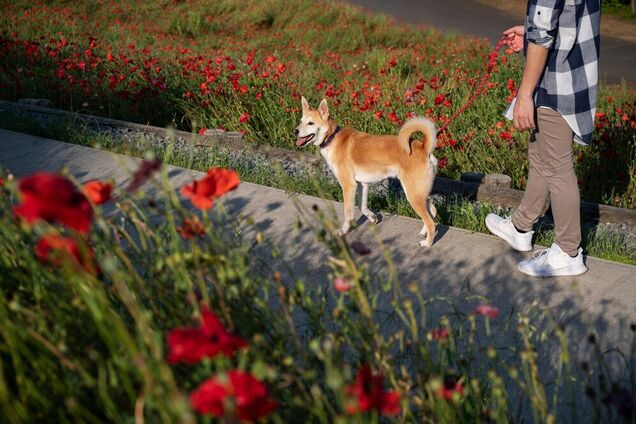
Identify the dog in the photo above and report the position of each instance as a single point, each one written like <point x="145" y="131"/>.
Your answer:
<point x="356" y="157"/>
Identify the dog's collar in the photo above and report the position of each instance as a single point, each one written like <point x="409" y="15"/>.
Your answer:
<point x="329" y="139"/>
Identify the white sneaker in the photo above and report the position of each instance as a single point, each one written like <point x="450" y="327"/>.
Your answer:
<point x="553" y="262"/>
<point x="504" y="228"/>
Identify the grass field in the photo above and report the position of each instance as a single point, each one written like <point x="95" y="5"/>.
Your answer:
<point x="242" y="65"/>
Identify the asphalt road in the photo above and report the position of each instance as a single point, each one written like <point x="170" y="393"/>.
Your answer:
<point x="618" y="57"/>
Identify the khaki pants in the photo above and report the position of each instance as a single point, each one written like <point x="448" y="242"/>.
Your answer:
<point x="552" y="173"/>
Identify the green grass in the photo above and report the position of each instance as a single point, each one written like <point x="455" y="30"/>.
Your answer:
<point x="92" y="344"/>
<point x="620" y="8"/>
<point x="599" y="241"/>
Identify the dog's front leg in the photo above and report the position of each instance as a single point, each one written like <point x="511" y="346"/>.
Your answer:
<point x="349" y="196"/>
<point x="363" y="204"/>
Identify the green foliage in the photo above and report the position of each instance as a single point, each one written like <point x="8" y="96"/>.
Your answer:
<point x="621" y="8"/>
<point x="78" y="346"/>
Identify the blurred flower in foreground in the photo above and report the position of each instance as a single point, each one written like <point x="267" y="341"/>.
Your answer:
<point x="56" y="250"/>
<point x="247" y="395"/>
<point x="451" y="388"/>
<point x="342" y="284"/>
<point x="191" y="227"/>
<point x="367" y="394"/>
<point x="623" y="400"/>
<point x="143" y="173"/>
<point x="190" y="345"/>
<point x="487" y="311"/>
<point x="97" y="192"/>
<point x="54" y="199"/>
<point x="216" y="183"/>
<point x="360" y="248"/>
<point x="439" y="334"/>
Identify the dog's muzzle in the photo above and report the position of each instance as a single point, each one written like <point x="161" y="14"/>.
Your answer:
<point x="301" y="141"/>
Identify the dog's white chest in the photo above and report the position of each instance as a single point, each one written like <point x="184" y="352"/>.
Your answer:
<point x="327" y="154"/>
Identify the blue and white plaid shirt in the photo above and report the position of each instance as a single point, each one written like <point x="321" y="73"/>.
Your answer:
<point x="570" y="30"/>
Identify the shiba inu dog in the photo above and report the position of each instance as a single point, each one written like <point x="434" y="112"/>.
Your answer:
<point x="356" y="157"/>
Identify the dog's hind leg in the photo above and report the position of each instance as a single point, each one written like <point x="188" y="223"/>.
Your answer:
<point x="432" y="211"/>
<point x="363" y="204"/>
<point x="417" y="196"/>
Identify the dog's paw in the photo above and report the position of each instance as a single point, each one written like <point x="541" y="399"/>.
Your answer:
<point x="372" y="218"/>
<point x="340" y="232"/>
<point x="427" y="242"/>
<point x="423" y="232"/>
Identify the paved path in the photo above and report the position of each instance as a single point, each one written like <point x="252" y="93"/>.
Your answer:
<point x="618" y="57"/>
<point x="459" y="263"/>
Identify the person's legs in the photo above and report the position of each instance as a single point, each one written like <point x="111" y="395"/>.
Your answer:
<point x="554" y="162"/>
<point x="554" y="145"/>
<point x="517" y="229"/>
<point x="537" y="188"/>
<point x="551" y="172"/>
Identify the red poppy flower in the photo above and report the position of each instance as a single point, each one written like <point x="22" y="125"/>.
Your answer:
<point x="216" y="183"/>
<point x="244" y="117"/>
<point x="53" y="198"/>
<point x="190" y="345"/>
<point x="98" y="192"/>
<point x="145" y="171"/>
<point x="487" y="311"/>
<point x="191" y="227"/>
<point x="440" y="99"/>
<point x="56" y="250"/>
<point x="440" y="334"/>
<point x="342" y="284"/>
<point x="393" y="117"/>
<point x="368" y="394"/>
<point x="505" y="135"/>
<point x="450" y="388"/>
<point x="249" y="397"/>
<point x="202" y="131"/>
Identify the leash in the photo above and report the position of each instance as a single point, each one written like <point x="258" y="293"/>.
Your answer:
<point x="492" y="60"/>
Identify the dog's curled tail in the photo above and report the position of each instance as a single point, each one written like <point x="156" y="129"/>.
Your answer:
<point x="413" y="125"/>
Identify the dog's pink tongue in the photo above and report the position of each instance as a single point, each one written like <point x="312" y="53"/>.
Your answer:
<point x="299" y="141"/>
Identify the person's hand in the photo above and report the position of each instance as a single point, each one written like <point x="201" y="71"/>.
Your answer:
<point x="515" y="37"/>
<point x="523" y="113"/>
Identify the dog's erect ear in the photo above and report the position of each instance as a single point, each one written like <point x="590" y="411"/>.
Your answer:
<point x="303" y="101"/>
<point x="323" y="109"/>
